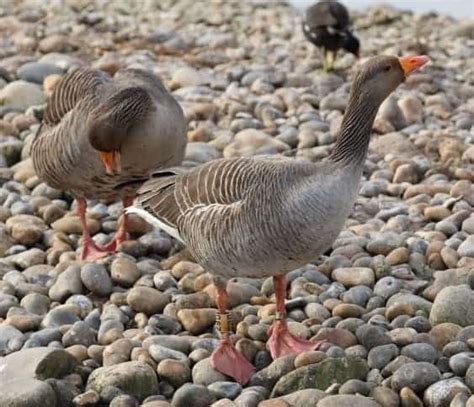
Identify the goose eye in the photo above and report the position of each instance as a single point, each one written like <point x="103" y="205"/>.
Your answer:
<point x="388" y="68"/>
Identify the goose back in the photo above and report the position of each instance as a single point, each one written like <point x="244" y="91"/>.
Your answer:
<point x="252" y="216"/>
<point x="62" y="154"/>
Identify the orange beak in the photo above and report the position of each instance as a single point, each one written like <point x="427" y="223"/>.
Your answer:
<point x="111" y="161"/>
<point x="411" y="64"/>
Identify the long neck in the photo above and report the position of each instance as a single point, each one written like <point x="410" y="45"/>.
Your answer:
<point x="353" y="141"/>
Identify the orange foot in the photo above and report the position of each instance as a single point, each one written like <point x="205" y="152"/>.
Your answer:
<point x="92" y="252"/>
<point x="283" y="343"/>
<point x="227" y="360"/>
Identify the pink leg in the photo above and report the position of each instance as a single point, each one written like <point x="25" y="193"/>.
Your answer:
<point x="89" y="249"/>
<point x="225" y="357"/>
<point x="281" y="341"/>
<point x="121" y="234"/>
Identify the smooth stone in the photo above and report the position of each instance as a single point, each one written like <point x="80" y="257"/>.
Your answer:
<point x="36" y="72"/>
<point x="466" y="249"/>
<point x="336" y="336"/>
<point x="371" y="336"/>
<point x="380" y="356"/>
<point x="354" y="276"/>
<point x="21" y="95"/>
<point x="304" y="398"/>
<point x="420" y="352"/>
<point x="441" y="393"/>
<point x="268" y="376"/>
<point x="96" y="279"/>
<point x="453" y="304"/>
<point x="203" y="373"/>
<point x="175" y="372"/>
<point x="229" y="390"/>
<point x="417" y="302"/>
<point x="147" y="300"/>
<point x="159" y="353"/>
<point x="80" y="333"/>
<point x="385" y="397"/>
<point x="321" y="375"/>
<point x="197" y="321"/>
<point x="347" y="401"/>
<point x="133" y="378"/>
<point x="355" y="387"/>
<point x="191" y="394"/>
<point x="37" y="363"/>
<point x="417" y="376"/>
<point x="409" y="398"/>
<point x="68" y="283"/>
<point x="175" y="342"/>
<point x="460" y="362"/>
<point x="26" y="392"/>
<point x="124" y="272"/>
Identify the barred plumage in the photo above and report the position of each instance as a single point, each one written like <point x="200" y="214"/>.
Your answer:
<point x="264" y="216"/>
<point x="85" y="104"/>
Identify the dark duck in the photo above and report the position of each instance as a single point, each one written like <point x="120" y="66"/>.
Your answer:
<point x="327" y="25"/>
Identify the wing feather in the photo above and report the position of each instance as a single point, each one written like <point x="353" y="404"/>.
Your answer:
<point x="71" y="89"/>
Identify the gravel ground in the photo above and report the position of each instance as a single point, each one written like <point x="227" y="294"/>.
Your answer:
<point x="394" y="299"/>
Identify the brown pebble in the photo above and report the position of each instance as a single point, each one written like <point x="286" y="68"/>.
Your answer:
<point x="436" y="213"/>
<point x="331" y="303"/>
<point x="408" y="398"/>
<point x="50" y="82"/>
<point x="399" y="255"/>
<point x="399" y="309"/>
<point x="78" y="351"/>
<point x="347" y="311"/>
<point x="309" y="358"/>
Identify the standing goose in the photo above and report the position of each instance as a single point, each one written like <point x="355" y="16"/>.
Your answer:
<point x="327" y="25"/>
<point x="265" y="216"/>
<point x="98" y="132"/>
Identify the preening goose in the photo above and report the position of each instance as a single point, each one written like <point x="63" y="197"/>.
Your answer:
<point x="265" y="216"/>
<point x="327" y="25"/>
<point x="98" y="132"/>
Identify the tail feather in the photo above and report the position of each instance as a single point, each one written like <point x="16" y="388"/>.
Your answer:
<point x="154" y="221"/>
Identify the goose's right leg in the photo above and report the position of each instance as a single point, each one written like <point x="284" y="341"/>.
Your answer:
<point x="225" y="358"/>
<point x="89" y="250"/>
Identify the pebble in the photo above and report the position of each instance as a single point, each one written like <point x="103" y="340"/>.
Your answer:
<point x="347" y="401"/>
<point x="147" y="300"/>
<point x="124" y="272"/>
<point x="441" y="393"/>
<point x="192" y="394"/>
<point x="417" y="376"/>
<point x="453" y="304"/>
<point x="96" y="279"/>
<point x="354" y="276"/>
<point x="134" y="378"/>
<point x="21" y="95"/>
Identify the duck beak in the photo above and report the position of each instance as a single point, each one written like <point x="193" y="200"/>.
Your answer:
<point x="411" y="64"/>
<point x="111" y="161"/>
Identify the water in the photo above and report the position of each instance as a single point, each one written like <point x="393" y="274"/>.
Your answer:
<point x="455" y="8"/>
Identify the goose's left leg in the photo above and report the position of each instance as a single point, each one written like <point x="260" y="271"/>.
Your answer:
<point x="89" y="250"/>
<point x="121" y="233"/>
<point x="281" y="341"/>
<point x="225" y="358"/>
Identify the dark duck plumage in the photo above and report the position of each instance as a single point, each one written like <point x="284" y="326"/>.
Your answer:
<point x="328" y="26"/>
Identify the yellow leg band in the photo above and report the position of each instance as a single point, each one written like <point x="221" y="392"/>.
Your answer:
<point x="223" y="323"/>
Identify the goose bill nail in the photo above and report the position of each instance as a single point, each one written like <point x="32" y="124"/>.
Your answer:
<point x="411" y="64"/>
<point x="111" y="161"/>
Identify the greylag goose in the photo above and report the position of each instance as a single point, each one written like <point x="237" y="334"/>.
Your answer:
<point x="98" y="132"/>
<point x="327" y="25"/>
<point x="265" y="216"/>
